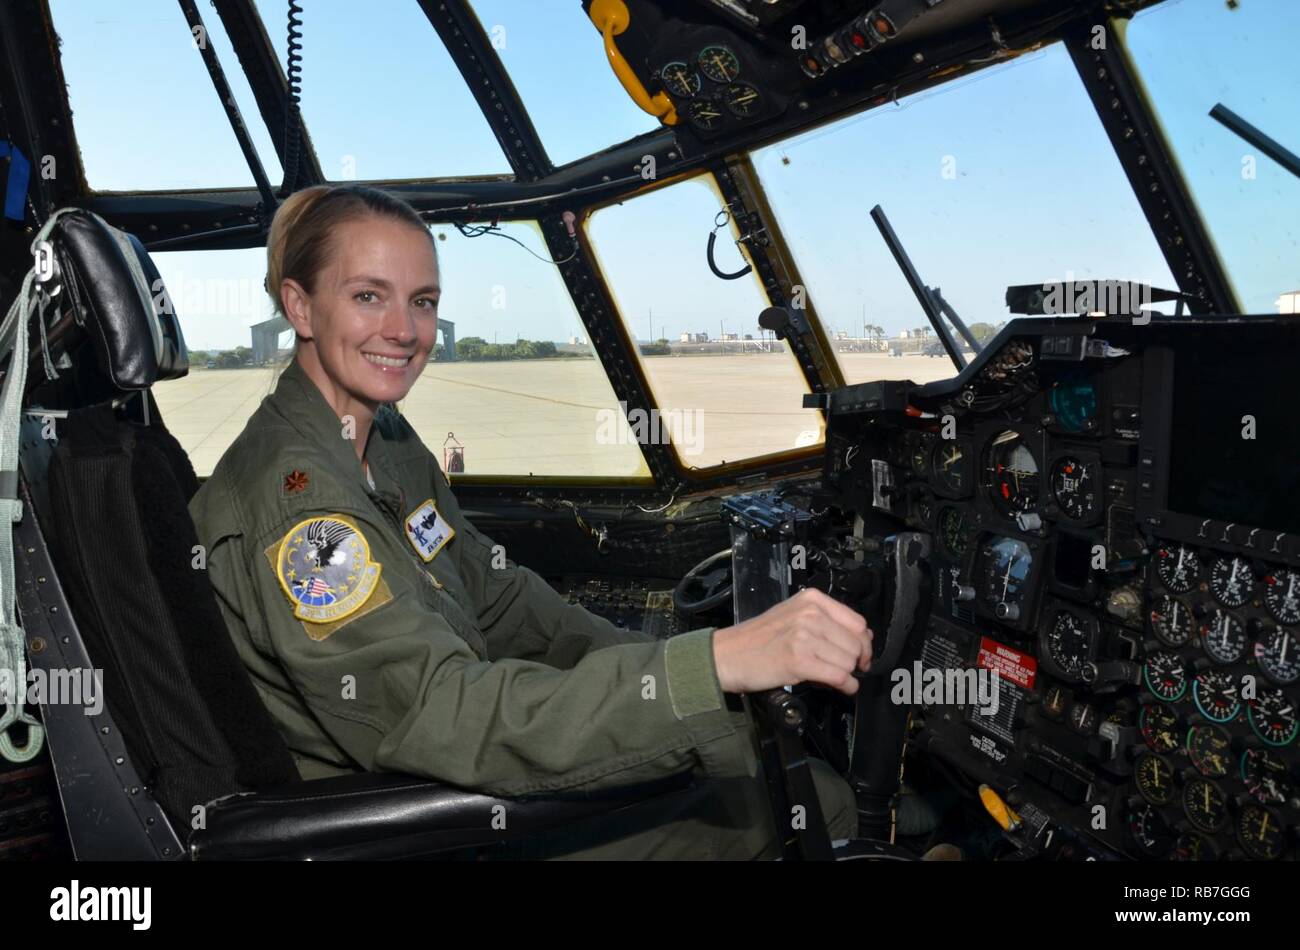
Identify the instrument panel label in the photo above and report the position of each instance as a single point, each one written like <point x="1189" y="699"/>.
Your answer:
<point x="1011" y="665"/>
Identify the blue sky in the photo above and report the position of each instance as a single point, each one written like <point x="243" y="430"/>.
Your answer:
<point x="1004" y="177"/>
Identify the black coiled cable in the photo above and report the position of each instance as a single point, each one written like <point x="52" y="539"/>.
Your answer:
<point x="292" y="115"/>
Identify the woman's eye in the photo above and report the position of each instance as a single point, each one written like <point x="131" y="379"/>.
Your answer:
<point x="428" y="303"/>
<point x="365" y="296"/>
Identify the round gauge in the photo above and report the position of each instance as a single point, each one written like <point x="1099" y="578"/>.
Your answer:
<point x="1215" y="694"/>
<point x="1003" y="575"/>
<point x="1273" y="717"/>
<point x="1165" y="675"/>
<point x="1261" y="833"/>
<point x="1204" y="804"/>
<point x="920" y="456"/>
<point x="1083" y="718"/>
<point x="952" y="531"/>
<point x="742" y="99"/>
<point x="719" y="63"/>
<point x="680" y="79"/>
<point x="1209" y="748"/>
<point x="923" y="509"/>
<point x="1223" y="637"/>
<point x="1265" y="777"/>
<point x="1074" y="486"/>
<point x="1171" y="621"/>
<point x="1150" y="831"/>
<point x="1282" y="595"/>
<point x="1193" y="847"/>
<point x="1013" y="473"/>
<point x="951" y="467"/>
<point x="1071" y="642"/>
<point x="1155" y="779"/>
<point x="1159" y="727"/>
<point x="704" y="114"/>
<point x="1231" y="581"/>
<point x="1278" y="655"/>
<point x="1178" y="567"/>
<point x="1054" y="702"/>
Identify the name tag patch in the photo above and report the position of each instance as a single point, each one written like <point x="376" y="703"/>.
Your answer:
<point x="427" y="530"/>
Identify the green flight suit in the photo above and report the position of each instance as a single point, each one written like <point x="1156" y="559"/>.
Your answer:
<point x="377" y="648"/>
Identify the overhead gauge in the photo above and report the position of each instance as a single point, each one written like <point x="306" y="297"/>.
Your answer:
<point x="1191" y="846"/>
<point x="1282" y="595"/>
<point x="1216" y="695"/>
<point x="1069" y="643"/>
<point x="1012" y="473"/>
<point x="1273" y="717"/>
<point x="704" y="113"/>
<point x="1210" y="749"/>
<point x="1278" y="654"/>
<point x="1159" y="727"/>
<point x="1223" y="637"/>
<point x="742" y="99"/>
<point x="1261" y="833"/>
<point x="719" y="63"/>
<point x="1151" y="833"/>
<point x="1265" y="777"/>
<point x="1231" y="581"/>
<point x="1155" y="779"/>
<point x="952" y="468"/>
<point x="1205" y="804"/>
<point x="954" y="535"/>
<point x="1171" y="621"/>
<point x="1165" y="675"/>
<point x="1074" y="486"/>
<point x="680" y="79"/>
<point x="1178" y="567"/>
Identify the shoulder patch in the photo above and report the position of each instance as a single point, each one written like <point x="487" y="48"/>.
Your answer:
<point x="428" y="531"/>
<point x="323" y="565"/>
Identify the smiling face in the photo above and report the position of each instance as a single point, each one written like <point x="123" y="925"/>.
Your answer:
<point x="367" y="328"/>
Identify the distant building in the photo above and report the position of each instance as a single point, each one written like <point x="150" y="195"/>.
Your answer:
<point x="1289" y="302"/>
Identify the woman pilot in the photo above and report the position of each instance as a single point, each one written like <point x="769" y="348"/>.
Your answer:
<point x="386" y="633"/>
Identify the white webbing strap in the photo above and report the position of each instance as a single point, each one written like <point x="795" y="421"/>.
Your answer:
<point x="13" y="646"/>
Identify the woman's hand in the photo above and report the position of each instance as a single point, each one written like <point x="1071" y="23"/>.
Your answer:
<point x="809" y="638"/>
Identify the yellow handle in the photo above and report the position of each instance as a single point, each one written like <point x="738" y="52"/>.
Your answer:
<point x="999" y="810"/>
<point x="611" y="18"/>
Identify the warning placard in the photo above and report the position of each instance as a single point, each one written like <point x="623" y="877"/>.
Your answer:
<point x="1011" y="665"/>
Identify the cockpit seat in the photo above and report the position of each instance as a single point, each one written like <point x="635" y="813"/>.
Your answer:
<point x="183" y="759"/>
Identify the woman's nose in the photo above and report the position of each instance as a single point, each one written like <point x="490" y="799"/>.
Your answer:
<point x="399" y="324"/>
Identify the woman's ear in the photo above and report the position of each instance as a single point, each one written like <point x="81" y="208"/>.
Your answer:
<point x="296" y="306"/>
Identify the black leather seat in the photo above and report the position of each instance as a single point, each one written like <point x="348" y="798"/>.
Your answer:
<point x="184" y="759"/>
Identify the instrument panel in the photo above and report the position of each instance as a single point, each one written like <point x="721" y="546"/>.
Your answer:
<point x="1149" y="681"/>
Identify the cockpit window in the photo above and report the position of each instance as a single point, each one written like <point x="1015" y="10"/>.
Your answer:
<point x="381" y="97"/>
<point x="725" y="390"/>
<point x="970" y="175"/>
<point x="515" y="389"/>
<point x="135" y="132"/>
<point x="557" y="63"/>
<point x="1194" y="55"/>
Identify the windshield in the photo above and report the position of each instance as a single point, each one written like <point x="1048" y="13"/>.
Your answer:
<point x="1195" y="54"/>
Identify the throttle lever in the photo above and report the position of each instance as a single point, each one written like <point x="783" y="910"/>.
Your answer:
<point x="906" y="552"/>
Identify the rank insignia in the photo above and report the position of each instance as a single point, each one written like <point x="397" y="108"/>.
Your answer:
<point x="295" y="482"/>
<point x="427" y="530"/>
<point x="324" y="567"/>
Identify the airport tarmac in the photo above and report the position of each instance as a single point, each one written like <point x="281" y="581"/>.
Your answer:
<point x="559" y="417"/>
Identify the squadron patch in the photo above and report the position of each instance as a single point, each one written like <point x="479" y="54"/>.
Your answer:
<point x="427" y="530"/>
<point x="324" y="567"/>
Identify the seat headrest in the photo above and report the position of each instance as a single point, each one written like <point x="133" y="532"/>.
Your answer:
<point x="119" y="299"/>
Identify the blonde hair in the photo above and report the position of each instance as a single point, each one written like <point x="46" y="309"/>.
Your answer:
<point x="300" y="241"/>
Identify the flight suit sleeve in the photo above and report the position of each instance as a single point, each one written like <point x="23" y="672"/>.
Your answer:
<point x="398" y="689"/>
<point x="520" y="614"/>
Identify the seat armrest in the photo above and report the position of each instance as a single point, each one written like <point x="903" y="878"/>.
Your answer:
<point x="385" y="816"/>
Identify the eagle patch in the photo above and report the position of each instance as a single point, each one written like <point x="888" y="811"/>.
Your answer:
<point x="428" y="531"/>
<point x="324" y="567"/>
